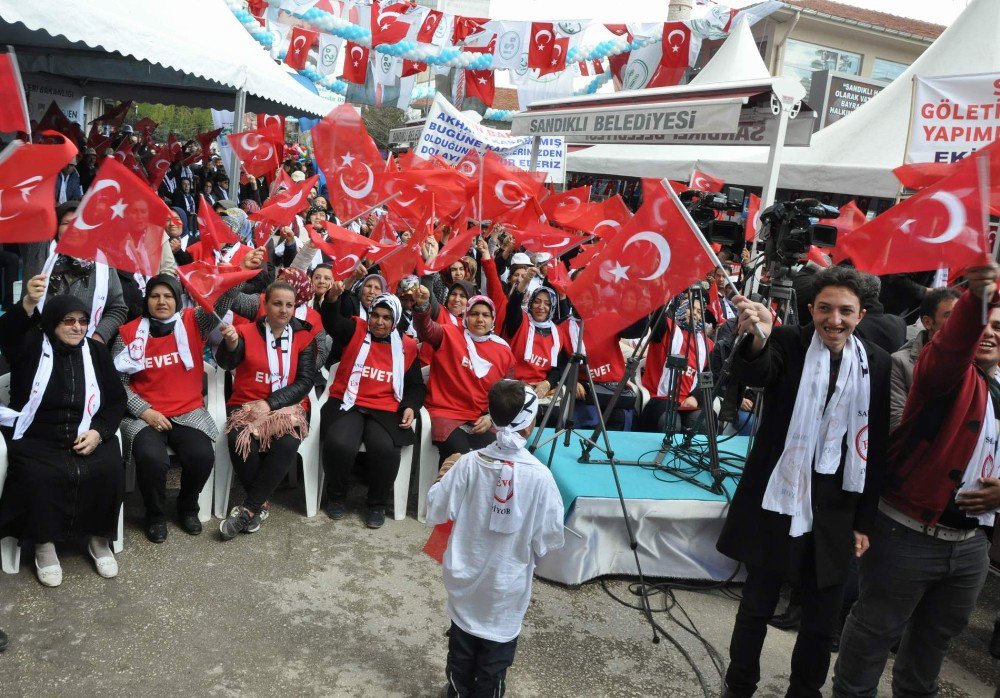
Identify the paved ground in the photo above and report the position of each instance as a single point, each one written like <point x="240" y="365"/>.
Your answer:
<point x="310" y="607"/>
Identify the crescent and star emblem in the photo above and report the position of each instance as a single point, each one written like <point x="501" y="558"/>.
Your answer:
<point x="80" y="223"/>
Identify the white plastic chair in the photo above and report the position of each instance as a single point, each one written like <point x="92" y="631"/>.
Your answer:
<point x="429" y="458"/>
<point x="10" y="551"/>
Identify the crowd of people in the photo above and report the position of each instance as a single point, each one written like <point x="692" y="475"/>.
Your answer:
<point x="96" y="354"/>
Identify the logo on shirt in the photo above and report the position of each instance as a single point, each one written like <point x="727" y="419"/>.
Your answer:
<point x="988" y="466"/>
<point x="861" y="443"/>
<point x="137" y="349"/>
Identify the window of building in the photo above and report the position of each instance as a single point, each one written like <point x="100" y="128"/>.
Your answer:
<point x="887" y="70"/>
<point x="802" y="59"/>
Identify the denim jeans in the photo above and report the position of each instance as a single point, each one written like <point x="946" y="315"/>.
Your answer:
<point x="910" y="582"/>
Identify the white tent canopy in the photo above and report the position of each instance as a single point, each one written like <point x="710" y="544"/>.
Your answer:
<point x="855" y="155"/>
<point x="737" y="59"/>
<point x="190" y="52"/>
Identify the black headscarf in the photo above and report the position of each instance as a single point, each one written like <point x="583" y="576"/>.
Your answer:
<point x="158" y="328"/>
<point x="56" y="308"/>
<point x="466" y="286"/>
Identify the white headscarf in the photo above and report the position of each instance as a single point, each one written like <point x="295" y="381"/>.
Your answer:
<point x="506" y="515"/>
<point x="384" y="300"/>
<point x="480" y="366"/>
<point x="546" y="324"/>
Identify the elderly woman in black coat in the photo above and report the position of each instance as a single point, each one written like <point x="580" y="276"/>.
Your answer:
<point x="65" y="477"/>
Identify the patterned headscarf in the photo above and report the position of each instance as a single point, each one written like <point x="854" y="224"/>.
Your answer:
<point x="299" y="280"/>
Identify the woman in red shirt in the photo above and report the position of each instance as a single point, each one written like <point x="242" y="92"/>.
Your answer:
<point x="160" y="358"/>
<point x="275" y="363"/>
<point x="374" y="397"/>
<point x="467" y="362"/>
<point x="535" y="339"/>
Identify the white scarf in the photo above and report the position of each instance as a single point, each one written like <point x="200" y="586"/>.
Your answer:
<point x="983" y="462"/>
<point x="677" y="348"/>
<point x="141" y="280"/>
<point x="278" y="370"/>
<point x="63" y="181"/>
<point x="506" y="515"/>
<point x="576" y="337"/>
<point x="91" y="395"/>
<point x="301" y="311"/>
<point x="546" y="325"/>
<point x="100" y="288"/>
<point x="132" y="359"/>
<point x="398" y="360"/>
<point x="815" y="434"/>
<point x="480" y="366"/>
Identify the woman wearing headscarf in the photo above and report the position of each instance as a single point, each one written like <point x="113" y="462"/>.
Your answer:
<point x="159" y="356"/>
<point x="681" y="335"/>
<point x="65" y="476"/>
<point x="274" y="360"/>
<point x="357" y="302"/>
<point x="451" y="313"/>
<point x="467" y="361"/>
<point x="96" y="284"/>
<point x="374" y="397"/>
<point x="535" y="339"/>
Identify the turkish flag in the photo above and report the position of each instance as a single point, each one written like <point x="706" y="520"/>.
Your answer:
<point x="258" y="150"/>
<point x="480" y="84"/>
<point x="925" y="174"/>
<point x="273" y="122"/>
<point x="282" y="182"/>
<point x="603" y="219"/>
<point x="145" y="127"/>
<point x="545" y="51"/>
<point x="715" y="303"/>
<point x="618" y="62"/>
<point x="370" y="248"/>
<point x="282" y="208"/>
<point x="405" y="258"/>
<point x="456" y="248"/>
<point x="350" y="160"/>
<point x="214" y="233"/>
<point x="120" y="218"/>
<point x="676" y="57"/>
<point x="655" y="256"/>
<point x="416" y="186"/>
<point x="387" y="27"/>
<point x="205" y="140"/>
<point x="429" y="26"/>
<point x="126" y="157"/>
<point x="587" y="253"/>
<point x="437" y="543"/>
<point x="345" y="254"/>
<point x="411" y="68"/>
<point x="850" y="219"/>
<point x="298" y="47"/>
<point x="115" y="116"/>
<point x="159" y="165"/>
<point x="557" y="62"/>
<point x="557" y="275"/>
<point x="539" y="237"/>
<point x="356" y="63"/>
<point x="567" y="206"/>
<point x="13" y="105"/>
<point x="55" y="120"/>
<point x="506" y="189"/>
<point x="752" y="223"/>
<point x="27" y="188"/>
<point x="206" y="282"/>
<point x="384" y="235"/>
<point x="940" y="226"/>
<point x="465" y="27"/>
<point x="702" y="181"/>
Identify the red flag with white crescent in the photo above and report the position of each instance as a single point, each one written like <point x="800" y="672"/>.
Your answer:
<point x="299" y="43"/>
<point x="355" y="63"/>
<point x="752" y="223"/>
<point x="13" y="106"/>
<point x="567" y="206"/>
<point x="654" y="257"/>
<point x="259" y="150"/>
<point x="205" y="281"/>
<point x="350" y="160"/>
<point x="282" y="208"/>
<point x="603" y="219"/>
<point x="702" y="181"/>
<point x="121" y="219"/>
<point x="676" y="57"/>
<point x="213" y="232"/>
<point x="27" y="188"/>
<point x="429" y="26"/>
<point x="274" y="122"/>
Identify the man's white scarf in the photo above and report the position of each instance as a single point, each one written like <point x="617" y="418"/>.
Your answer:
<point x="91" y="395"/>
<point x="983" y="462"/>
<point x="100" y="287"/>
<point x="279" y="370"/>
<point x="677" y="348"/>
<point x="816" y="433"/>
<point x="506" y="515"/>
<point x="132" y="358"/>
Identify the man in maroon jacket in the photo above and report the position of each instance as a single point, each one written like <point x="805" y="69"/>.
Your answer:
<point x="928" y="557"/>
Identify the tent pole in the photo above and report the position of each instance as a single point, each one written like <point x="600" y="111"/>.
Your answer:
<point x="234" y="163"/>
<point x="770" y="187"/>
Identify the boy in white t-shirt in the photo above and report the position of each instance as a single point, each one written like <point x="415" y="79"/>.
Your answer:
<point x="508" y="513"/>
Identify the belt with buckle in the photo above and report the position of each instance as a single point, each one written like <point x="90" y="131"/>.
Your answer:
<point x="941" y="532"/>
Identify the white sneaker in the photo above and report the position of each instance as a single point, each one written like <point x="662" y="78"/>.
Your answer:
<point x="107" y="567"/>
<point x="50" y="576"/>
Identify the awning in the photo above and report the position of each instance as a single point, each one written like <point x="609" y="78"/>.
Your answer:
<point x="731" y="113"/>
<point x="187" y="52"/>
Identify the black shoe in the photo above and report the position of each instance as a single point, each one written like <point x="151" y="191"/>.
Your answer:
<point x="240" y="519"/>
<point x="789" y="620"/>
<point x="3" y="640"/>
<point x="335" y="509"/>
<point x="190" y="524"/>
<point x="156" y="532"/>
<point x="375" y="517"/>
<point x="995" y="640"/>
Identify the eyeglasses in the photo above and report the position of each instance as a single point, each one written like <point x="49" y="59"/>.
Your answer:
<point x="70" y="321"/>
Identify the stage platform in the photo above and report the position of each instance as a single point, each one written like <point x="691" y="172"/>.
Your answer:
<point x="676" y="523"/>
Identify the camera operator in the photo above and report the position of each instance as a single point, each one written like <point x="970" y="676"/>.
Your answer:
<point x="809" y="491"/>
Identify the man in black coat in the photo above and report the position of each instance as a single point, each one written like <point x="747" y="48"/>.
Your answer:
<point x="815" y="554"/>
